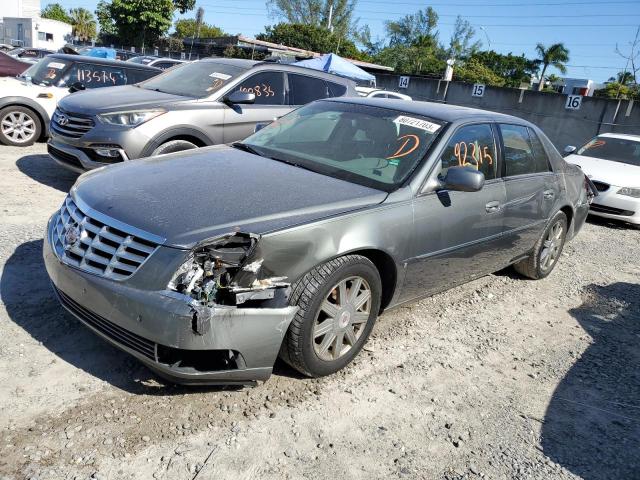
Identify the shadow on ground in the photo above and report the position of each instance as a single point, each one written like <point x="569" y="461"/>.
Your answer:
<point x="610" y="223"/>
<point x="31" y="304"/>
<point x="592" y="424"/>
<point x="43" y="169"/>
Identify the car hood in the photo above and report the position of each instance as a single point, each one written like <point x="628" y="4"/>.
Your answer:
<point x="112" y="99"/>
<point x="191" y="196"/>
<point x="613" y="173"/>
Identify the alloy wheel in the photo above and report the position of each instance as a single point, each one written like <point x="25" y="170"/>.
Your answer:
<point x="342" y="318"/>
<point x="552" y="245"/>
<point x="19" y="127"/>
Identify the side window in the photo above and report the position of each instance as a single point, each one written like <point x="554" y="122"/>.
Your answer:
<point x="304" y="89"/>
<point x="472" y="146"/>
<point x="379" y="95"/>
<point x="95" y="76"/>
<point x="336" y="89"/>
<point x="268" y="87"/>
<point x="542" y="163"/>
<point x="518" y="150"/>
<point x="137" y="76"/>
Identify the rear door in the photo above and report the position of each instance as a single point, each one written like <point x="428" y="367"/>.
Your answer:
<point x="457" y="235"/>
<point x="305" y="89"/>
<point x="531" y="186"/>
<point x="269" y="88"/>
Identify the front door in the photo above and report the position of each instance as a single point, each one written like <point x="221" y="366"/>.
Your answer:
<point x="457" y="235"/>
<point x="240" y="120"/>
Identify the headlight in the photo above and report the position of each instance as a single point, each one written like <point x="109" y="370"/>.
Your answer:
<point x="130" y="119"/>
<point x="629" y="192"/>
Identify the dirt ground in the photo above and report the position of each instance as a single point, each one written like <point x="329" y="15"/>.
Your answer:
<point x="503" y="378"/>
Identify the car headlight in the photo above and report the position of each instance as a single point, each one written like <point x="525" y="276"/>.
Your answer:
<point x="629" y="192"/>
<point x="130" y="119"/>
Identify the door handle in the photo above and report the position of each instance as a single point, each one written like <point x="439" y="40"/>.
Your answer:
<point x="549" y="194"/>
<point x="492" y="207"/>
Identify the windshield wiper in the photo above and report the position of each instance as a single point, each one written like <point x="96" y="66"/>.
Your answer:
<point x="246" y="148"/>
<point x="250" y="149"/>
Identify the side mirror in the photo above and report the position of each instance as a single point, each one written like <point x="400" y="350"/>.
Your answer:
<point x="463" y="179"/>
<point x="240" y="98"/>
<point x="76" y="87"/>
<point x="569" y="149"/>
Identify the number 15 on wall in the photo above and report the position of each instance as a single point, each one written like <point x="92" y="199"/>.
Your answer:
<point x="478" y="90"/>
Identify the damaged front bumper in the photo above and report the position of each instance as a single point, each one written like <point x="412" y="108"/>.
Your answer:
<point x="172" y="334"/>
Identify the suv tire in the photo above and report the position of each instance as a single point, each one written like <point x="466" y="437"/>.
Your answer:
<point x="19" y="126"/>
<point x="173" y="146"/>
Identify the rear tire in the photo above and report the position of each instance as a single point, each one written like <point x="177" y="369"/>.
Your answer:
<point x="19" y="126"/>
<point x="173" y="146"/>
<point x="338" y="305"/>
<point x="546" y="251"/>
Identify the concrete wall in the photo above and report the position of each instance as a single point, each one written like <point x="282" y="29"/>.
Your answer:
<point x="546" y="110"/>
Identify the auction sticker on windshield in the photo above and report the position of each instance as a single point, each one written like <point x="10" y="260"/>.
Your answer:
<point x="56" y="65"/>
<point x="221" y="76"/>
<point x="417" y="123"/>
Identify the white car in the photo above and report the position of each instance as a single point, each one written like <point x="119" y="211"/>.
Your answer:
<point x="612" y="162"/>
<point x="378" y="93"/>
<point x="27" y="102"/>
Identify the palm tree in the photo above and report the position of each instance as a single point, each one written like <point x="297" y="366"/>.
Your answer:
<point x="623" y="78"/>
<point x="556" y="56"/>
<point x="84" y="24"/>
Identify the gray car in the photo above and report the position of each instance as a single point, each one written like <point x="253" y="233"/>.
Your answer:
<point x="208" y="264"/>
<point x="202" y="103"/>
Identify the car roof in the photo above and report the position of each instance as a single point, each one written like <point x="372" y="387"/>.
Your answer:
<point x="440" y="111"/>
<point x="248" y="64"/>
<point x="624" y="136"/>
<point x="102" y="61"/>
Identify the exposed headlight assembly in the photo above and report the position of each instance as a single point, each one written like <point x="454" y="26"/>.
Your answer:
<point x="629" y="192"/>
<point x="131" y="118"/>
<point x="225" y="271"/>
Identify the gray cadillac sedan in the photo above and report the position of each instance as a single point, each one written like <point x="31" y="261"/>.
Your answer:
<point x="208" y="264"/>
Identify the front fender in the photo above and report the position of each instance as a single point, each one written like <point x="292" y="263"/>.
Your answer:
<point x="173" y="132"/>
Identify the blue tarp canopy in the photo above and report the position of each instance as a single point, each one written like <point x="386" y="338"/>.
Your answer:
<point x="337" y="65"/>
<point x="100" y="52"/>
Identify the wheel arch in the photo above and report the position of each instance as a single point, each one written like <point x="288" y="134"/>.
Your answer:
<point x="31" y="104"/>
<point x="387" y="269"/>
<point x="187" y="133"/>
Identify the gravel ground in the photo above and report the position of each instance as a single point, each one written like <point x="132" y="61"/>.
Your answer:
<point x="502" y="378"/>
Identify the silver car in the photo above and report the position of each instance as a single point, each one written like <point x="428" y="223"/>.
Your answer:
<point x="208" y="264"/>
<point x="202" y="103"/>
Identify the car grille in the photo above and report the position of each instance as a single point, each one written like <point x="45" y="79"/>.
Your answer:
<point x="107" y="328"/>
<point x="95" y="247"/>
<point x="64" y="157"/>
<point x="70" y="124"/>
<point x="601" y="186"/>
<point x="611" y="210"/>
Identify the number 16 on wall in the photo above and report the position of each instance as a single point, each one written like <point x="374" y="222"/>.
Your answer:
<point x="573" y="102"/>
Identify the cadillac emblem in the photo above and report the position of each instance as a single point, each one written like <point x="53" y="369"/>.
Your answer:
<point x="71" y="237"/>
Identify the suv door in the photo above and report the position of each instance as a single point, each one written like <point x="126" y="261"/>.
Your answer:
<point x="269" y="89"/>
<point x="457" y="236"/>
<point x="305" y="89"/>
<point x="532" y="187"/>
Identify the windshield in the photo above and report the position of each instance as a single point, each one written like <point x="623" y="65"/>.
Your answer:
<point x="47" y="71"/>
<point x="371" y="146"/>
<point x="620" y="150"/>
<point x="198" y="79"/>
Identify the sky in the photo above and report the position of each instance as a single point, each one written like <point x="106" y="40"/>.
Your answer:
<point x="589" y="28"/>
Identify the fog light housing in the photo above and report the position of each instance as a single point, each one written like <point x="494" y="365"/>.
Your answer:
<point x="107" y="152"/>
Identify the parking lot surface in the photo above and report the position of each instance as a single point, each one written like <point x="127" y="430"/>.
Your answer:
<point x="502" y="378"/>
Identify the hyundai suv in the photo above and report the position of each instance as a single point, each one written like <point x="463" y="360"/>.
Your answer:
<point x="208" y="102"/>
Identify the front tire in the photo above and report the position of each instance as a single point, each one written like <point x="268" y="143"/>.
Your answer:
<point x="173" y="146"/>
<point x="546" y="251"/>
<point x="338" y="305"/>
<point x="19" y="126"/>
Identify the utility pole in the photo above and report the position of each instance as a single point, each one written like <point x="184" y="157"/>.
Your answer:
<point x="331" y="17"/>
<point x="199" y="18"/>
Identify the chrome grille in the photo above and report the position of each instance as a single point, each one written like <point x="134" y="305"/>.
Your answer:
<point x="70" y="124"/>
<point x="95" y="247"/>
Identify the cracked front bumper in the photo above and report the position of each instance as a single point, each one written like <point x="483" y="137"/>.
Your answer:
<point x="159" y="328"/>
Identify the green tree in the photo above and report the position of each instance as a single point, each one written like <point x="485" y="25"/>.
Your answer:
<point x="461" y="44"/>
<point x="55" y="11"/>
<point x="623" y="78"/>
<point x="316" y="13"/>
<point x="618" y="90"/>
<point x="413" y="29"/>
<point x="557" y="55"/>
<point x="473" y="71"/>
<point x="311" y="37"/>
<point x="139" y="22"/>
<point x="514" y="69"/>
<point x="187" y="27"/>
<point x="83" y="23"/>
